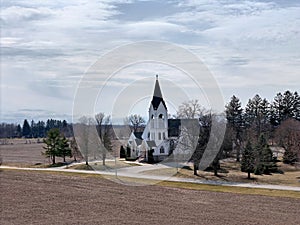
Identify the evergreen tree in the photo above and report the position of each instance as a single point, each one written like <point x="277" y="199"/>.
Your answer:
<point x="19" y="131"/>
<point x="56" y="145"/>
<point x="264" y="161"/>
<point x="26" y="131"/>
<point x="296" y="107"/>
<point x="267" y="160"/>
<point x="34" y="129"/>
<point x="286" y="106"/>
<point x="248" y="159"/>
<point x="234" y="115"/>
<point x="64" y="149"/>
<point x="257" y="115"/>
<point x="41" y="129"/>
<point x="52" y="144"/>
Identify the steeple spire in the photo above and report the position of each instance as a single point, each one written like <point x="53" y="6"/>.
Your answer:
<point x="157" y="95"/>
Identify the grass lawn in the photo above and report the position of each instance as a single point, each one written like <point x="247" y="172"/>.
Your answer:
<point x="231" y="172"/>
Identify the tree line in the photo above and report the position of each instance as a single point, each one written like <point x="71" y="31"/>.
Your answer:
<point x="34" y="129"/>
<point x="250" y="131"/>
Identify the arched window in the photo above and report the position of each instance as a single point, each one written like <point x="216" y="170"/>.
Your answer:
<point x="161" y="116"/>
<point x="162" y="149"/>
<point x="153" y="136"/>
<point x="152" y="116"/>
<point x="159" y="136"/>
<point x="164" y="135"/>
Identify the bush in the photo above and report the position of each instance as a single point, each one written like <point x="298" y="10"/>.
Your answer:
<point x="122" y="152"/>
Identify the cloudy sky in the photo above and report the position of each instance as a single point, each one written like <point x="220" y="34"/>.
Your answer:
<point x="47" y="46"/>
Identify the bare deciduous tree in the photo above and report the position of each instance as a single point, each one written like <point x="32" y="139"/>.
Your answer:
<point x="136" y="122"/>
<point x="288" y="136"/>
<point x="75" y="150"/>
<point x="190" y="110"/>
<point x="104" y="129"/>
<point x="85" y="136"/>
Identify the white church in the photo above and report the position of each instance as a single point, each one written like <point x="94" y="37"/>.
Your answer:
<point x="156" y="142"/>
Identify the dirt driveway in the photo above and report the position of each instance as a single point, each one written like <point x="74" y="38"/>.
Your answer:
<point x="31" y="197"/>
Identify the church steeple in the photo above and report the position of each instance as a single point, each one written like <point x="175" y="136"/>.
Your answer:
<point x="157" y="96"/>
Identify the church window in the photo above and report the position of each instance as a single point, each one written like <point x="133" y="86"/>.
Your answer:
<point x="162" y="149"/>
<point x="164" y="135"/>
<point x="153" y="136"/>
<point x="152" y="116"/>
<point x="148" y="135"/>
<point x="159" y="136"/>
<point x="161" y="116"/>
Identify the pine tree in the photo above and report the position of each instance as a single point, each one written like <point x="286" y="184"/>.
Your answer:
<point x="257" y="115"/>
<point x="26" y="131"/>
<point x="56" y="145"/>
<point x="248" y="159"/>
<point x="64" y="148"/>
<point x="52" y="144"/>
<point x="19" y="131"/>
<point x="234" y="115"/>
<point x="286" y="105"/>
<point x="264" y="161"/>
<point x="267" y="160"/>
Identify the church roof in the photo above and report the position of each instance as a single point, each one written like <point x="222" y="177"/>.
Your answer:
<point x="138" y="141"/>
<point x="151" y="144"/>
<point x="138" y="135"/>
<point x="157" y="96"/>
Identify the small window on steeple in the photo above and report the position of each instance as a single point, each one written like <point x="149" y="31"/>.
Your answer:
<point x="161" y="116"/>
<point x="152" y="117"/>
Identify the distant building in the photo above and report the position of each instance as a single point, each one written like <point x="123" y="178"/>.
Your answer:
<point x="159" y="137"/>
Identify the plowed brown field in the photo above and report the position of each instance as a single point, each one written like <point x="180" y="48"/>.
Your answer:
<point x="57" y="198"/>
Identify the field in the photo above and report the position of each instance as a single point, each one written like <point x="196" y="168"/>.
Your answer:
<point x="21" y="152"/>
<point x="28" y="153"/>
<point x="30" y="197"/>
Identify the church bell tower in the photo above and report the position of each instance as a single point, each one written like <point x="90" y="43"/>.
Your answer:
<point x="158" y="116"/>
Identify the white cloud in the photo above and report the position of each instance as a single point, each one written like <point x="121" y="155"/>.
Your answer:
<point x="48" y="45"/>
<point x="15" y="14"/>
<point x="151" y="29"/>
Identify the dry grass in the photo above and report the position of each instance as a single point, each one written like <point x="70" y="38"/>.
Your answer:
<point x="109" y="165"/>
<point x="229" y="189"/>
<point x="230" y="171"/>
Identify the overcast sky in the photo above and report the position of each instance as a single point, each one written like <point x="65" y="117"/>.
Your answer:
<point x="46" y="46"/>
